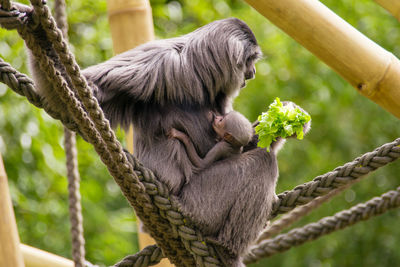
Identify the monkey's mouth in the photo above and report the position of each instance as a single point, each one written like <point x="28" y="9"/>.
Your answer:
<point x="243" y="84"/>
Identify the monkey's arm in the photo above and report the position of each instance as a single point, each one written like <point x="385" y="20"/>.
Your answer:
<point x="220" y="150"/>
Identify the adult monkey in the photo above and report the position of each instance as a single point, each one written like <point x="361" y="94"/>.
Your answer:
<point x="175" y="83"/>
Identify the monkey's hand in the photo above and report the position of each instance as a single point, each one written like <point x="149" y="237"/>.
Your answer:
<point x="16" y="17"/>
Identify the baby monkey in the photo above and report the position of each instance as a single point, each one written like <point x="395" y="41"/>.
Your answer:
<point x="233" y="132"/>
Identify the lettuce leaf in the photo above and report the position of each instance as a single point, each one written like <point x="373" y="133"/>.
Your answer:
<point x="280" y="121"/>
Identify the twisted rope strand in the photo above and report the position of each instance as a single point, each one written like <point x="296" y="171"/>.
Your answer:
<point x="74" y="196"/>
<point x="339" y="177"/>
<point x="150" y="255"/>
<point x="296" y="214"/>
<point x="340" y="220"/>
<point x="24" y="86"/>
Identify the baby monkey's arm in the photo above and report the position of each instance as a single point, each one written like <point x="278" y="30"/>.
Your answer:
<point x="220" y="150"/>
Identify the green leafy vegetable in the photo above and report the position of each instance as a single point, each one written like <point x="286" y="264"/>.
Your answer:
<point x="280" y="121"/>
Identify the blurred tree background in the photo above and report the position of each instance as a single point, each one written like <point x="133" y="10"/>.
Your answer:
<point x="345" y="125"/>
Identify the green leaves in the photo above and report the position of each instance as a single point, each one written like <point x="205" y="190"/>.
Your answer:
<point x="280" y="121"/>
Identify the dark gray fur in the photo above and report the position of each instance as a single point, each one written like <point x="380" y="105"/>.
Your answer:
<point x="176" y="83"/>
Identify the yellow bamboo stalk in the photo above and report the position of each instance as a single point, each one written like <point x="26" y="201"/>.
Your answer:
<point x="365" y="65"/>
<point x="393" y="6"/>
<point x="10" y="254"/>
<point x="34" y="257"/>
<point x="131" y="24"/>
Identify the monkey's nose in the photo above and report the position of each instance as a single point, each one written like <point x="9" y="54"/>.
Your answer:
<point x="250" y="74"/>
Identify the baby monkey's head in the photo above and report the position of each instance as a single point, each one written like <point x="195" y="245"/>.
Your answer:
<point x="234" y="128"/>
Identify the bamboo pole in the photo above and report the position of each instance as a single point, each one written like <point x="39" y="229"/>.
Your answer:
<point x="372" y="70"/>
<point x="392" y="6"/>
<point x="131" y="24"/>
<point x="34" y="257"/>
<point x="10" y="254"/>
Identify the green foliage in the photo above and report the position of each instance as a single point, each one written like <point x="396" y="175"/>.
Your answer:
<point x="280" y="121"/>
<point x="345" y="125"/>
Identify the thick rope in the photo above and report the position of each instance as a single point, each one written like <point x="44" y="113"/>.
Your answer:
<point x="296" y="214"/>
<point x="340" y="220"/>
<point x="24" y="86"/>
<point x="149" y="256"/>
<point x="159" y="227"/>
<point x="339" y="177"/>
<point x="74" y="196"/>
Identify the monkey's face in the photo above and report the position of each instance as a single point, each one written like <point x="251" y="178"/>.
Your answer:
<point x="249" y="71"/>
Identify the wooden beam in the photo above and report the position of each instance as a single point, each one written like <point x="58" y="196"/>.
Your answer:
<point x="131" y="24"/>
<point x="34" y="257"/>
<point x="372" y="70"/>
<point x="10" y="254"/>
<point x="392" y="6"/>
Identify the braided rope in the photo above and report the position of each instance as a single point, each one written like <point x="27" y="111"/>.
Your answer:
<point x="24" y="86"/>
<point x="296" y="214"/>
<point x="74" y="196"/>
<point x="339" y="177"/>
<point x="150" y="255"/>
<point x="312" y="231"/>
